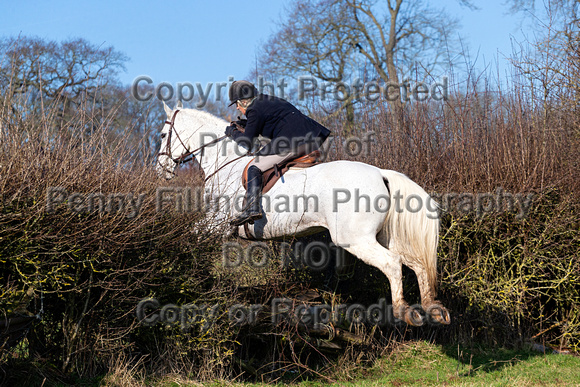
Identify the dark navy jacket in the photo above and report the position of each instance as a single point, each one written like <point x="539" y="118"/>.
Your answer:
<point x="280" y="121"/>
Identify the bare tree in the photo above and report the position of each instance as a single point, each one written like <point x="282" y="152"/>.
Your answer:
<point x="312" y="41"/>
<point x="72" y="67"/>
<point x="35" y="73"/>
<point x="72" y="89"/>
<point x="338" y="40"/>
<point x="550" y="63"/>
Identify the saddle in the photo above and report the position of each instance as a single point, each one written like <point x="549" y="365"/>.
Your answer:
<point x="271" y="176"/>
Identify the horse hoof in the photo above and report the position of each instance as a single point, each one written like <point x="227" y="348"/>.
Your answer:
<point x="439" y="314"/>
<point x="413" y="317"/>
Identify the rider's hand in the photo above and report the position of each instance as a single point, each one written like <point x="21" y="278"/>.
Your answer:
<point x="230" y="130"/>
<point x="242" y="122"/>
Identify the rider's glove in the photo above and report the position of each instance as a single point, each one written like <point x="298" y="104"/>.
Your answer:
<point x="242" y="122"/>
<point x="230" y="130"/>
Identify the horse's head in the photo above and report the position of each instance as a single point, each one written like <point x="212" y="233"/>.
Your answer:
<point x="175" y="143"/>
<point x="188" y="133"/>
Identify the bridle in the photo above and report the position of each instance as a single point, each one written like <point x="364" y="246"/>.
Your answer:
<point x="184" y="157"/>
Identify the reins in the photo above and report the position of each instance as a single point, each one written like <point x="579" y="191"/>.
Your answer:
<point x="229" y="162"/>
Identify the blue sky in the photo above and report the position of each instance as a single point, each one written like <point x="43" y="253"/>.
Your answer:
<point x="203" y="41"/>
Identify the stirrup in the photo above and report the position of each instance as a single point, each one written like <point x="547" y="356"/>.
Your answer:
<point x="243" y="218"/>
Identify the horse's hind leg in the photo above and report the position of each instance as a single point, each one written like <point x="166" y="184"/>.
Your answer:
<point x="372" y="253"/>
<point x="434" y="309"/>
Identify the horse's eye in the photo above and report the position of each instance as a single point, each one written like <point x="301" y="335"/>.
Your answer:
<point x="163" y="135"/>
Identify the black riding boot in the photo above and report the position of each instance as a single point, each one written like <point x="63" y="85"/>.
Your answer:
<point x="252" y="211"/>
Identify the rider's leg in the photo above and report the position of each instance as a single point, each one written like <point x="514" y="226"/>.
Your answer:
<point x="257" y="166"/>
<point x="266" y="162"/>
<point x="252" y="210"/>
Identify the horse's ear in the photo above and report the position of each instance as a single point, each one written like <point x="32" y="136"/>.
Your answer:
<point x="179" y="105"/>
<point x="168" y="111"/>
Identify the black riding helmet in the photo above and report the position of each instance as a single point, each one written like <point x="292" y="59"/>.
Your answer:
<point x="242" y="90"/>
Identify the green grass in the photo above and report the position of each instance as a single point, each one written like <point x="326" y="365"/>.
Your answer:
<point x="420" y="364"/>
<point x="425" y="364"/>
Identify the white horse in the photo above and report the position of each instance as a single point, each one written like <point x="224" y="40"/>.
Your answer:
<point x="379" y="216"/>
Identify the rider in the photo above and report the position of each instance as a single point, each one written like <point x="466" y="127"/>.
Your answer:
<point x="292" y="135"/>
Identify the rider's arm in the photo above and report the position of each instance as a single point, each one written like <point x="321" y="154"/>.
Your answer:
<point x="253" y="128"/>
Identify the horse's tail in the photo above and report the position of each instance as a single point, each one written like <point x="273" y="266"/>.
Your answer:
<point x="412" y="223"/>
